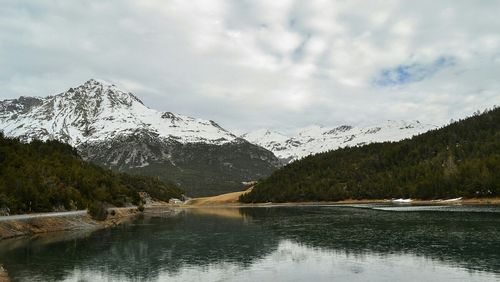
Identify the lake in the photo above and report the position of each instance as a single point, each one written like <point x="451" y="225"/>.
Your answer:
<point x="320" y="243"/>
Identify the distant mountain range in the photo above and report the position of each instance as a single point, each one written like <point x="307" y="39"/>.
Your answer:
<point x="115" y="129"/>
<point x="317" y="139"/>
<point x="461" y="159"/>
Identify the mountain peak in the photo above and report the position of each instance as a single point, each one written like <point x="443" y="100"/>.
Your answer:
<point x="98" y="110"/>
<point x="99" y="82"/>
<point x="99" y="89"/>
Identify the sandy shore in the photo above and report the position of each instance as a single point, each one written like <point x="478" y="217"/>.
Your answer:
<point x="223" y="199"/>
<point x="231" y="200"/>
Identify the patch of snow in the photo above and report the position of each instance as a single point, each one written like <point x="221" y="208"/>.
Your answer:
<point x="453" y="200"/>
<point x="402" y="200"/>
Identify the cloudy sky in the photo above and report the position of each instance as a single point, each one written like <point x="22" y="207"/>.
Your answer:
<point x="262" y="64"/>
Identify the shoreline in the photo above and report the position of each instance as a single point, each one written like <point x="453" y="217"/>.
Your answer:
<point x="46" y="223"/>
<point x="231" y="200"/>
<point x="27" y="225"/>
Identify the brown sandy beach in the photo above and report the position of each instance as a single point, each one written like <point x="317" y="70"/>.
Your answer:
<point x="231" y="200"/>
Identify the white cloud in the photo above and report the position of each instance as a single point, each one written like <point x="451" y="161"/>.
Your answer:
<point x="253" y="64"/>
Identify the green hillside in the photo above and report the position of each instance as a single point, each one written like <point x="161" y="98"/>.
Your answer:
<point x="459" y="160"/>
<point x="48" y="176"/>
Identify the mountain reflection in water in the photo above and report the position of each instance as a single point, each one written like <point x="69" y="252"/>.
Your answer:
<point x="276" y="243"/>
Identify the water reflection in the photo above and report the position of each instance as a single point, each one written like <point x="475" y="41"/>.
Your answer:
<point x="262" y="244"/>
<point x="464" y="239"/>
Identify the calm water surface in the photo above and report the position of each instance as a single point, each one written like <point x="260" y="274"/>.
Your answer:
<point x="327" y="243"/>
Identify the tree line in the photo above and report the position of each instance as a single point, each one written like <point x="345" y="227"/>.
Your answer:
<point x="49" y="175"/>
<point x="458" y="160"/>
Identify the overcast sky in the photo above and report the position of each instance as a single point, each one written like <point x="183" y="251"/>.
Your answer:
<point x="262" y="64"/>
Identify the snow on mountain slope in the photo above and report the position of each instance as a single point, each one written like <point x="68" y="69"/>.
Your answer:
<point x="97" y="111"/>
<point x="316" y="139"/>
<point x="114" y="129"/>
<point x="271" y="140"/>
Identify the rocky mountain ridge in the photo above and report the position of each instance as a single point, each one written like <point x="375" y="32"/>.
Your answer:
<point x="97" y="111"/>
<point x="316" y="139"/>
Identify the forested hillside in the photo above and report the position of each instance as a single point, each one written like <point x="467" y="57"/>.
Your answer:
<point x="47" y="176"/>
<point x="459" y="160"/>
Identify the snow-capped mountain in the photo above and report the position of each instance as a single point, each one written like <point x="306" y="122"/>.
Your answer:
<point x="97" y="111"/>
<point x="317" y="139"/>
<point x="115" y="129"/>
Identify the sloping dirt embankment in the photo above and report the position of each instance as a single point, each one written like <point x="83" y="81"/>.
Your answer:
<point x="36" y="225"/>
<point x="219" y="200"/>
